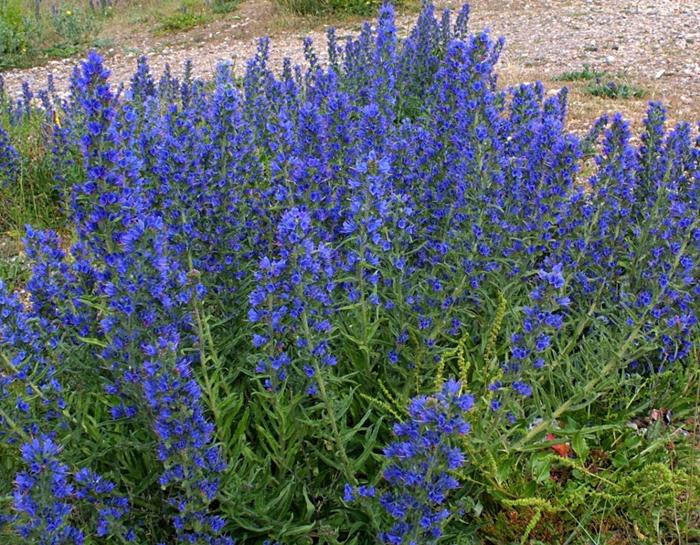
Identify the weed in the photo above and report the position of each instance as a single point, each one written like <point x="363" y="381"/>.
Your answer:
<point x="188" y="15"/>
<point x="224" y="6"/>
<point x="614" y="90"/>
<point x="72" y="25"/>
<point x="585" y="74"/>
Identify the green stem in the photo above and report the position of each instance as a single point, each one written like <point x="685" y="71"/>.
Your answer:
<point x="332" y="416"/>
<point x="204" y="354"/>
<point x="12" y="424"/>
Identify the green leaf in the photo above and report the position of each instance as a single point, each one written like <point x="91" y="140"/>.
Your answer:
<point x="92" y="341"/>
<point x="541" y="466"/>
<point x="578" y="443"/>
<point x="503" y="470"/>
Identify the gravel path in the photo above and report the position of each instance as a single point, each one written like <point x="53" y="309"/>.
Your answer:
<point x="654" y="43"/>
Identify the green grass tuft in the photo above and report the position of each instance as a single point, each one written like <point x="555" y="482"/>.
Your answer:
<point x="602" y="84"/>
<point x="613" y="90"/>
<point x="585" y="74"/>
<point x="180" y="22"/>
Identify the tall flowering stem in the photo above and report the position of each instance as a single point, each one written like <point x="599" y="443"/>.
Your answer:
<point x="149" y="293"/>
<point x="422" y="467"/>
<point x="9" y="160"/>
<point x="48" y="493"/>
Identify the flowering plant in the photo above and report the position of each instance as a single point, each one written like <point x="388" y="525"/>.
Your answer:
<point x="258" y="275"/>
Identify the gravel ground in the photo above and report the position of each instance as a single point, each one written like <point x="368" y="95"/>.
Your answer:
<point x="652" y="43"/>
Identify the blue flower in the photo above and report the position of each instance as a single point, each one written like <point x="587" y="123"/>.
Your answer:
<point x="521" y="388"/>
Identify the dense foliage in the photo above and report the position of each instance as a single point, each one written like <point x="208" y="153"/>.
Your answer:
<point x="375" y="301"/>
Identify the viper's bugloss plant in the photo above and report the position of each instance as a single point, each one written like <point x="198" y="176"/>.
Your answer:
<point x="423" y="464"/>
<point x="52" y="501"/>
<point x="264" y="274"/>
<point x="42" y="496"/>
<point x="9" y="160"/>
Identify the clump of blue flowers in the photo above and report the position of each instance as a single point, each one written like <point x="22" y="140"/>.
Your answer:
<point x="259" y="270"/>
<point x="423" y="465"/>
<point x="44" y="518"/>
